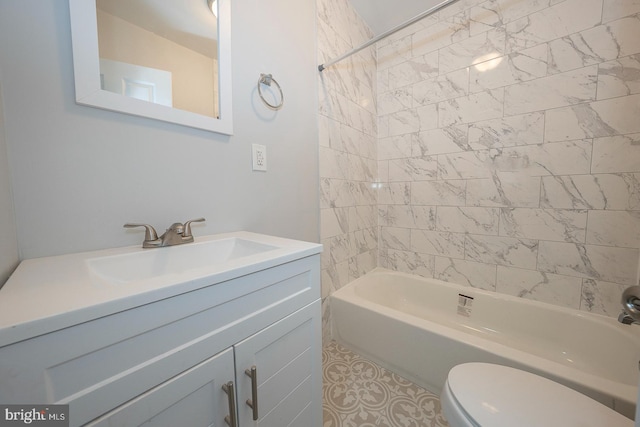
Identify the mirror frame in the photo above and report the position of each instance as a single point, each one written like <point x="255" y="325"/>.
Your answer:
<point x="86" y="67"/>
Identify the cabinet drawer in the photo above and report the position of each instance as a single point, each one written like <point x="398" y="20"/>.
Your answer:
<point x="99" y="365"/>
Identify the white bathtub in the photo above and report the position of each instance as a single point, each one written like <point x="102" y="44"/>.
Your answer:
<point x="418" y="328"/>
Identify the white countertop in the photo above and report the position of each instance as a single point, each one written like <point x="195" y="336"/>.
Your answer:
<point x="47" y="294"/>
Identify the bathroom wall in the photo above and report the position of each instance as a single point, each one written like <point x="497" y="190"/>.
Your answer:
<point x="8" y="239"/>
<point x="509" y="149"/>
<point x="347" y="118"/>
<point x="79" y="173"/>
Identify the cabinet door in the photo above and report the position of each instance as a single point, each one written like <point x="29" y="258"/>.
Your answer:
<point x="287" y="357"/>
<point x="192" y="398"/>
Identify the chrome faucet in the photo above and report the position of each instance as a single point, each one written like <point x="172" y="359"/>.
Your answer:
<point x="630" y="306"/>
<point x="625" y="319"/>
<point x="177" y="234"/>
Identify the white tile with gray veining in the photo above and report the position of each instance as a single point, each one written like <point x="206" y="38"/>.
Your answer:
<point x="449" y="139"/>
<point x="471" y="108"/>
<point x="554" y="91"/>
<point x="413" y="70"/>
<point x="394" y="101"/>
<point x="408" y="262"/>
<point x="595" y="45"/>
<point x="333" y="105"/>
<point x="383" y="127"/>
<point x="525" y="162"/>
<point x="616" y="116"/>
<point x="531" y="160"/>
<point x="442" y="193"/>
<point x="362" y="263"/>
<point x="439" y="88"/>
<point x="329" y="133"/>
<point x="348" y="130"/>
<point x="383" y="173"/>
<point x="616" y="153"/>
<point x="551" y="288"/>
<point x="338" y="249"/>
<point x="409" y="216"/>
<point x="465" y="165"/>
<point x="413" y="169"/>
<point x="404" y="122"/>
<point x="459" y="9"/>
<point x="618" y="265"/>
<point x="504" y="189"/>
<point x="464" y="272"/>
<point x="501" y="250"/>
<point x="364" y="240"/>
<point x="364" y="193"/>
<point x="620" y="77"/>
<point x="615" y="9"/>
<point x="544" y="224"/>
<point x="362" y="217"/>
<point x="336" y="193"/>
<point x="507" y="131"/>
<point x="439" y="35"/>
<point x="614" y="228"/>
<point x="340" y="16"/>
<point x="544" y="159"/>
<point x="465" y="219"/>
<point x="438" y="243"/>
<point x="334" y="222"/>
<point x="428" y="116"/>
<point x="357" y="142"/>
<point x="334" y="163"/>
<point x="601" y="297"/>
<point x="597" y="191"/>
<point x="394" y="193"/>
<point x="362" y="119"/>
<point x="551" y="23"/>
<point x="496" y="13"/>
<point x="361" y="168"/>
<point x="508" y="69"/>
<point x="394" y="53"/>
<point x="396" y="147"/>
<point x="482" y="47"/>
<point x="396" y="238"/>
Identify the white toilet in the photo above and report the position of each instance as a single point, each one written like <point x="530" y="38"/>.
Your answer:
<point x="487" y="395"/>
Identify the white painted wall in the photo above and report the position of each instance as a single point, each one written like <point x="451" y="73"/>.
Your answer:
<point x="8" y="239"/>
<point x="80" y="173"/>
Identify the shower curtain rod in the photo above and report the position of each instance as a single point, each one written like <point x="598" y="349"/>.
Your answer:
<point x="413" y="20"/>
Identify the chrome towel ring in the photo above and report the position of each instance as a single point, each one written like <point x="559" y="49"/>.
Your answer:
<point x="267" y="79"/>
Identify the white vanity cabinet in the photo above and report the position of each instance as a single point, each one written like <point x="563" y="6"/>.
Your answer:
<point x="165" y="363"/>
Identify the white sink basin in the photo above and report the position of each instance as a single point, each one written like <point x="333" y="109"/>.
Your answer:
<point x="150" y="263"/>
<point x="51" y="293"/>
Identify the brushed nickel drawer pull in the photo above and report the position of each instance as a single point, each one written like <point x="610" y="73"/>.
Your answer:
<point x="253" y="402"/>
<point x="231" y="394"/>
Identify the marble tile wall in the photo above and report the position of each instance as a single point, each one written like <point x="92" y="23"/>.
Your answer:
<point x="509" y="149"/>
<point x="348" y="149"/>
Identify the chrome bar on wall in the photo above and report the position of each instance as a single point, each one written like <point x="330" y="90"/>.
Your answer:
<point x="405" y="24"/>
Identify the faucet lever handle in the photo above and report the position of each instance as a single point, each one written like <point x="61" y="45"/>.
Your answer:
<point x="187" y="226"/>
<point x="150" y="232"/>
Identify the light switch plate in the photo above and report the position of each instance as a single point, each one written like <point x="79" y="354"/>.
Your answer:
<point x="259" y="154"/>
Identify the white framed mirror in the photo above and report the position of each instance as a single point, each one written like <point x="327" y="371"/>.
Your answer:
<point x="128" y="58"/>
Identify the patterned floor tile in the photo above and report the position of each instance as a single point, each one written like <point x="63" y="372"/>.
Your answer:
<point x="359" y="393"/>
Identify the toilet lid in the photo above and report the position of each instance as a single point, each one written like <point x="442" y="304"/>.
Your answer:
<point x="500" y="396"/>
